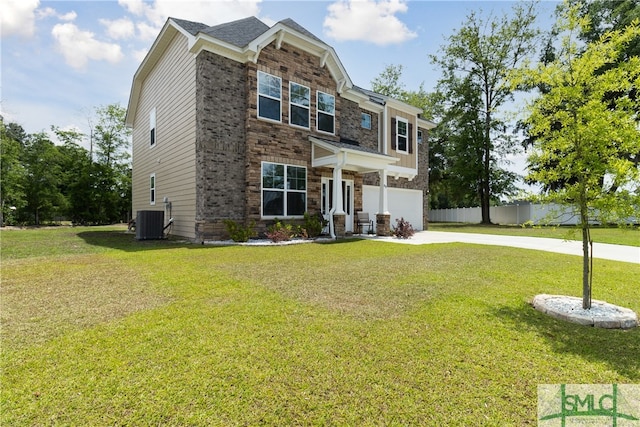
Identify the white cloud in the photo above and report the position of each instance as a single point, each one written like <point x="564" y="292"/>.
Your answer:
<point x="78" y="46"/>
<point x="368" y="20"/>
<point x="49" y="11"/>
<point x="17" y="17"/>
<point x="209" y="12"/>
<point x="119" y="29"/>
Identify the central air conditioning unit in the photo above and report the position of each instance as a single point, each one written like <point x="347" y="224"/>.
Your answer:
<point x="149" y="225"/>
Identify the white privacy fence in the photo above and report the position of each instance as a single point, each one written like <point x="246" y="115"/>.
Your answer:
<point x="510" y="214"/>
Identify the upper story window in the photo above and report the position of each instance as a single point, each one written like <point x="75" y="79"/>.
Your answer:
<point x="152" y="189"/>
<point x="326" y="112"/>
<point x="284" y="190"/>
<point x="402" y="134"/>
<point x="269" y="96"/>
<point x="419" y="136"/>
<point x="299" y="105"/>
<point x="152" y="128"/>
<point x="365" y="120"/>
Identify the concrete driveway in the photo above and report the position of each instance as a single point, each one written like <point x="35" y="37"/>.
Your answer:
<point x="569" y="247"/>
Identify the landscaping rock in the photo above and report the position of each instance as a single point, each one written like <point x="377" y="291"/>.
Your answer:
<point x="601" y="314"/>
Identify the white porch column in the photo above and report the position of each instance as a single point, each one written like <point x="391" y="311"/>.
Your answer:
<point x="383" y="208"/>
<point x="337" y="190"/>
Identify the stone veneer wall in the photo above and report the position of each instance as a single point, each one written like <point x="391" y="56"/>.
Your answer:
<point x="220" y="144"/>
<point x="232" y="143"/>
<point x="280" y="142"/>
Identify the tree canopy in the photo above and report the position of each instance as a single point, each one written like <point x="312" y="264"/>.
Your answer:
<point x="43" y="181"/>
<point x="475" y="64"/>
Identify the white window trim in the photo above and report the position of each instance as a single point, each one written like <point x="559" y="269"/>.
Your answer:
<point x="308" y="107"/>
<point x="284" y="190"/>
<point x="153" y="189"/>
<point x="318" y="111"/>
<point x="268" y="96"/>
<point x="406" y="135"/>
<point x="153" y="128"/>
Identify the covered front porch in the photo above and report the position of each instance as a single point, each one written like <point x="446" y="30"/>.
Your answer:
<point x="347" y="155"/>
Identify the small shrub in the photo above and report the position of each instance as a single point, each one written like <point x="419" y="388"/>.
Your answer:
<point x="280" y="232"/>
<point x="313" y="225"/>
<point x="238" y="232"/>
<point x="403" y="229"/>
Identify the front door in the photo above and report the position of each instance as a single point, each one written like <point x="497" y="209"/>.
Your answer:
<point x="347" y="200"/>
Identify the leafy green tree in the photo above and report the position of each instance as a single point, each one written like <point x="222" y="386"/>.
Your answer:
<point x="77" y="178"/>
<point x="42" y="161"/>
<point x="12" y="196"/>
<point x="112" y="163"/>
<point x="583" y="136"/>
<point x="475" y="63"/>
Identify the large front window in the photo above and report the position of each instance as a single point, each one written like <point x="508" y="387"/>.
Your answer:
<point x="269" y="96"/>
<point x="326" y="112"/>
<point x="284" y="190"/>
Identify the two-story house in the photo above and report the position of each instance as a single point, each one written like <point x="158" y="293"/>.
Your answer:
<point x="248" y="122"/>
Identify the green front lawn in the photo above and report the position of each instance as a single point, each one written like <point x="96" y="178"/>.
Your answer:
<point x="119" y="332"/>
<point x="629" y="236"/>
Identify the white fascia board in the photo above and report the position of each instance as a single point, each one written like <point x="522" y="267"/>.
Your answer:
<point x="399" y="105"/>
<point x="219" y="47"/>
<point x="426" y="124"/>
<point x="360" y="156"/>
<point x="402" y="172"/>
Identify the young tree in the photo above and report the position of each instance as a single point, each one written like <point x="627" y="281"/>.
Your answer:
<point x="584" y="138"/>
<point x="476" y="62"/>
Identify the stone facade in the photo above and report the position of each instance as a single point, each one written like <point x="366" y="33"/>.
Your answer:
<point x="220" y="143"/>
<point x="232" y="142"/>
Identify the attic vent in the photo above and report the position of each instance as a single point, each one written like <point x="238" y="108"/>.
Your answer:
<point x="149" y="225"/>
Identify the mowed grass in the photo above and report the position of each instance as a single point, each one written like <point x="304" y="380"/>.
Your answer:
<point x="357" y="332"/>
<point x="629" y="236"/>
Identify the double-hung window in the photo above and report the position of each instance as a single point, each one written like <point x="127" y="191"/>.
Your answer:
<point x="152" y="189"/>
<point x="299" y="104"/>
<point x="284" y="190"/>
<point x="402" y="134"/>
<point x="269" y="96"/>
<point x="326" y="112"/>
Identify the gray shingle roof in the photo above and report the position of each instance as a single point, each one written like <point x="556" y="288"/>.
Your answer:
<point x="299" y="28"/>
<point x="238" y="33"/>
<point x="192" y="27"/>
<point x="241" y="32"/>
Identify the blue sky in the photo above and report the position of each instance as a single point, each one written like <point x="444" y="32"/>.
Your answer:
<point x="61" y="59"/>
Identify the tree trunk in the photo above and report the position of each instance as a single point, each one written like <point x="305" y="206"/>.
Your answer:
<point x="586" y="286"/>
<point x="485" y="199"/>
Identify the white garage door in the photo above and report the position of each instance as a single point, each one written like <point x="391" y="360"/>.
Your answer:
<point x="402" y="203"/>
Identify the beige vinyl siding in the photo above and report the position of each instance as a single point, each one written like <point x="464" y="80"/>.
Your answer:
<point x="406" y="160"/>
<point x="169" y="88"/>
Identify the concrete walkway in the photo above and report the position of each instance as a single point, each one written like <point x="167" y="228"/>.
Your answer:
<point x="569" y="247"/>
